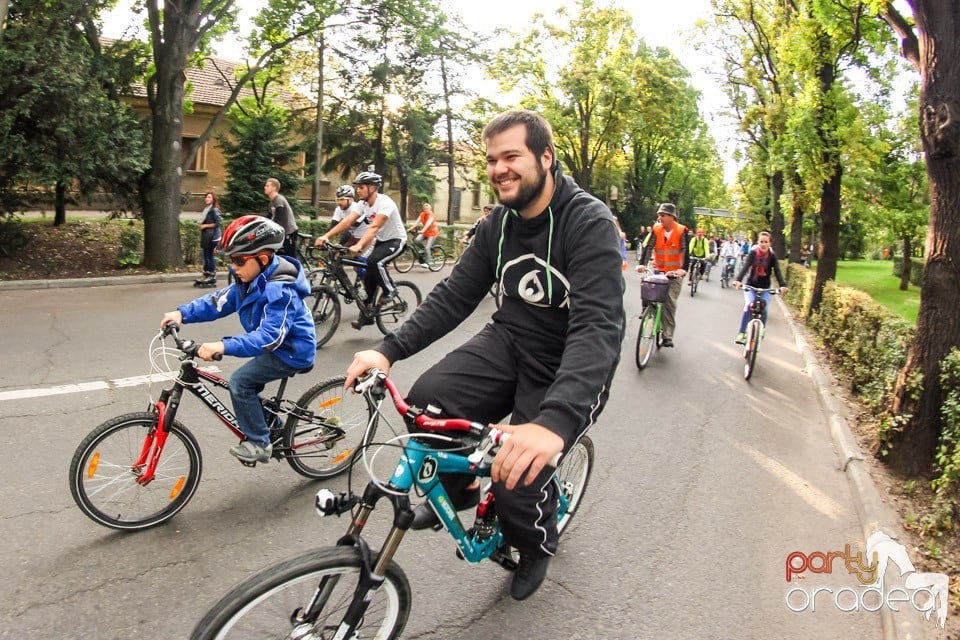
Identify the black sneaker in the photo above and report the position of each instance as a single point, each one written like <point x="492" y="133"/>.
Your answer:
<point x="361" y="322"/>
<point x="425" y="518"/>
<point x="667" y="342"/>
<point x="529" y="576"/>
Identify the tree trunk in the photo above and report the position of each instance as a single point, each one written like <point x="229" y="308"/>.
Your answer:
<point x="776" y="219"/>
<point x="60" y="204"/>
<point x="912" y="447"/>
<point x="829" y="233"/>
<point x="796" y="220"/>
<point x="318" y="147"/>
<point x="451" y="157"/>
<point x="162" y="184"/>
<point x="907" y="264"/>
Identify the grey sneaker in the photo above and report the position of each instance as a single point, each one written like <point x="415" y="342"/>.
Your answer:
<point x="247" y="451"/>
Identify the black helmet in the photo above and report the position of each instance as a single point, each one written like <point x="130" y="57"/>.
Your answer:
<point x="345" y="191"/>
<point x="248" y="235"/>
<point x="368" y="177"/>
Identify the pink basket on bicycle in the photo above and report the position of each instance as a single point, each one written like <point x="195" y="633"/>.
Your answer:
<point x="654" y="288"/>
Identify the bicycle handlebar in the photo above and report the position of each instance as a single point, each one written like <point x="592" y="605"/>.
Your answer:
<point x="377" y="383"/>
<point x="188" y="347"/>
<point x="747" y="287"/>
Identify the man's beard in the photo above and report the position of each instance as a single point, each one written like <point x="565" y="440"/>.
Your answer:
<point x="528" y="192"/>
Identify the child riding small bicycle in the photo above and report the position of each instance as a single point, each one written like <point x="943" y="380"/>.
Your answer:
<point x="267" y="295"/>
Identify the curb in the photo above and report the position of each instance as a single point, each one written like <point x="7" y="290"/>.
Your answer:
<point x="106" y="281"/>
<point x="873" y="513"/>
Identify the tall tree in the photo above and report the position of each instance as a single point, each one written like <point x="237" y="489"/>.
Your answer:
<point x="933" y="47"/>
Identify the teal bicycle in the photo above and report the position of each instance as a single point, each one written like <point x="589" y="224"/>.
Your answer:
<point x="353" y="591"/>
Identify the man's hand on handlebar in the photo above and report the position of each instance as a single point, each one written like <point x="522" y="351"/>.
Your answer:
<point x="529" y="449"/>
<point x="322" y="240"/>
<point x="363" y="361"/>
<point x="171" y="316"/>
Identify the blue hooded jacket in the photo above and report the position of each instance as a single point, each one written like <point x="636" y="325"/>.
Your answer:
<point x="272" y="311"/>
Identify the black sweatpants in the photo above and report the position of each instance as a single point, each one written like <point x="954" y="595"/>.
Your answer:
<point x="486" y="379"/>
<point x="377" y="275"/>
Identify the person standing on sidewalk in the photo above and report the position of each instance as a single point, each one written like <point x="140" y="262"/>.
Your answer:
<point x="280" y="211"/>
<point x="667" y="242"/>
<point x="210" y="230"/>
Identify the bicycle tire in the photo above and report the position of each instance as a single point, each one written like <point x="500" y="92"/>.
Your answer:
<point x="324" y="305"/>
<point x="750" y="353"/>
<point x="405" y="259"/>
<point x="264" y="604"/>
<point x="391" y="311"/>
<point x="573" y="476"/>
<point x="104" y="484"/>
<point x="694" y="279"/>
<point x="322" y="437"/>
<point x="437" y="259"/>
<point x="646" y="338"/>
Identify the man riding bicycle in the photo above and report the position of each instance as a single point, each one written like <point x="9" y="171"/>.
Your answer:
<point x="729" y="251"/>
<point x="667" y="242"/>
<point x="699" y="247"/>
<point x="550" y="352"/>
<point x="386" y="234"/>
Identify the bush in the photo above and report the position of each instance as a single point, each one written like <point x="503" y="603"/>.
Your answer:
<point x="916" y="269"/>
<point x="190" y="241"/>
<point x="131" y="245"/>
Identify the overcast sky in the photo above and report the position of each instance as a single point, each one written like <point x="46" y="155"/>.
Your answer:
<point x="660" y="22"/>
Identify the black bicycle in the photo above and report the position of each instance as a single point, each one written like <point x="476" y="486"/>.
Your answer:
<point x="415" y="253"/>
<point x="330" y="283"/>
<point x="139" y="469"/>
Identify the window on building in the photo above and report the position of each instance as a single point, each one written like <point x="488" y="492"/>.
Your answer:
<point x="199" y="160"/>
<point x="475" y="196"/>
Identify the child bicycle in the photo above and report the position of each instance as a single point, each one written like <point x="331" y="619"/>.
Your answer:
<point x="755" y="329"/>
<point x="352" y="591"/>
<point x="139" y="469"/>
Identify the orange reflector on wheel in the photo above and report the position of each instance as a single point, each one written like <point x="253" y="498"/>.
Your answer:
<point x="177" y="488"/>
<point x="331" y="402"/>
<point x="92" y="465"/>
<point x="343" y="456"/>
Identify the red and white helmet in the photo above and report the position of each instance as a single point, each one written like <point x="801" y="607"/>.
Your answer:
<point x="248" y="235"/>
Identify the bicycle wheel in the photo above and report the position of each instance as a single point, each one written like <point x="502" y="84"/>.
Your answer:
<point x="438" y="258"/>
<point x="694" y="279"/>
<point x="393" y="310"/>
<point x="307" y="597"/>
<point x="646" y="339"/>
<point x="572" y="475"/>
<point x="750" y="353"/>
<point x="404" y="261"/>
<point x="104" y="480"/>
<point x="324" y="433"/>
<point x="324" y="306"/>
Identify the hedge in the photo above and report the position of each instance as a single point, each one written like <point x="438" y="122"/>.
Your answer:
<point x="916" y="269"/>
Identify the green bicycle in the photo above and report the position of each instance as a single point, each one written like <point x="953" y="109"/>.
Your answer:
<point x="653" y="292"/>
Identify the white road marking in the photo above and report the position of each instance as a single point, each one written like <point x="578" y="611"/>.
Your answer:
<point x="96" y="385"/>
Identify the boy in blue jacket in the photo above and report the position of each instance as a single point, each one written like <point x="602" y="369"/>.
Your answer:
<point x="267" y="295"/>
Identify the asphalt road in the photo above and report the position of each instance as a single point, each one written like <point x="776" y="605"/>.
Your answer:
<point x="704" y="484"/>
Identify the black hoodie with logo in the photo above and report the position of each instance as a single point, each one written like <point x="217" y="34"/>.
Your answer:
<point x="562" y="299"/>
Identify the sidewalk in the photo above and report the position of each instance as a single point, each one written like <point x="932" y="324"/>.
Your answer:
<point x="874" y="514"/>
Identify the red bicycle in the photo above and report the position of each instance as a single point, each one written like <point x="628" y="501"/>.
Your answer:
<point x="139" y="469"/>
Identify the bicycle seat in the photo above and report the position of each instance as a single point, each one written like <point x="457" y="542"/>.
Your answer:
<point x="306" y="370"/>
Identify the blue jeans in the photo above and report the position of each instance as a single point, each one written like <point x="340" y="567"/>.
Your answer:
<point x="748" y="298"/>
<point x="209" y="262"/>
<point x="245" y="387"/>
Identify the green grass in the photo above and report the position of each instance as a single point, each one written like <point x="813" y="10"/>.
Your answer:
<point x="875" y="278"/>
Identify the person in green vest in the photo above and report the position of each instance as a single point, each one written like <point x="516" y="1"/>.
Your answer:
<point x="700" y="248"/>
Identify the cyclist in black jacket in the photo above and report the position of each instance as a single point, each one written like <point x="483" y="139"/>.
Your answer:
<point x="549" y="354"/>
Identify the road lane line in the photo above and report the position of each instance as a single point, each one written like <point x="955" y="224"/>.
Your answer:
<point x="96" y="385"/>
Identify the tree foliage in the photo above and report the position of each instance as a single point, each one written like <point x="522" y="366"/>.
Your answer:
<point x="62" y="128"/>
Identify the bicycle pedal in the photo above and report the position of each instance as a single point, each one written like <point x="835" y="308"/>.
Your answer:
<point x="245" y="463"/>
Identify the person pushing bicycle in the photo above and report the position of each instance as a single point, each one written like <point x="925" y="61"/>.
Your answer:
<point x="550" y="352"/>
<point x="267" y="296"/>
<point x="760" y="263"/>
<point x="668" y="242"/>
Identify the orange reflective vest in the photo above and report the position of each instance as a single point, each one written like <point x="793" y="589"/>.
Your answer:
<point x="668" y="253"/>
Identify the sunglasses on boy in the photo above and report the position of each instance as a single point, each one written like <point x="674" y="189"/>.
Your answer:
<point x="239" y="261"/>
